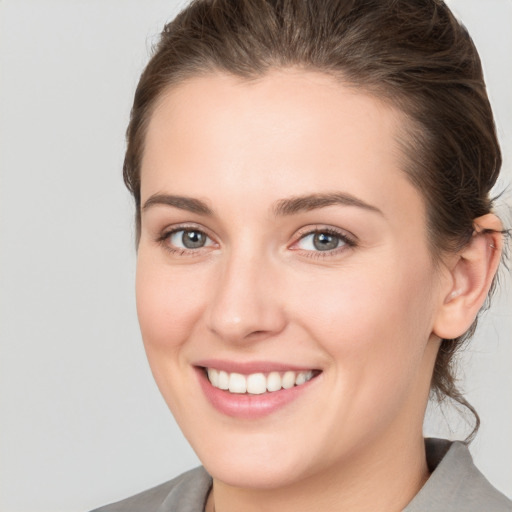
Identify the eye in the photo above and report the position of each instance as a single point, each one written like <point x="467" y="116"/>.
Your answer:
<point x="320" y="242"/>
<point x="187" y="239"/>
<point x="324" y="240"/>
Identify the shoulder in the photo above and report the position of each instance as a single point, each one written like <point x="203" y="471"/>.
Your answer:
<point x="456" y="483"/>
<point x="186" y="493"/>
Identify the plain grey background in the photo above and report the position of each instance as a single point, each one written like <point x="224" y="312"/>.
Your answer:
<point x="82" y="422"/>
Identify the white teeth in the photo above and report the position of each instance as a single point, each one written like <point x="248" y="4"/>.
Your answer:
<point x="303" y="377"/>
<point x="273" y="381"/>
<point x="237" y="383"/>
<point x="223" y="380"/>
<point x="213" y="375"/>
<point x="257" y="383"/>
<point x="300" y="379"/>
<point x="288" y="380"/>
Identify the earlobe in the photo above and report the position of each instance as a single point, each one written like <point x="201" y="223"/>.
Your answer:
<point x="471" y="276"/>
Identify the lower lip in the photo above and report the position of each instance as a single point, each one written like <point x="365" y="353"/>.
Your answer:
<point x="249" y="406"/>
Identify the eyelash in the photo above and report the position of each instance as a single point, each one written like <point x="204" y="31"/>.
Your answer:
<point x="347" y="241"/>
<point x="163" y="240"/>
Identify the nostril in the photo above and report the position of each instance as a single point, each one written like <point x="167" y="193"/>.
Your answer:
<point x="256" y="334"/>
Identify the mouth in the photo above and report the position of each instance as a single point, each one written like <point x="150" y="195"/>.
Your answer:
<point x="254" y="389"/>
<point x="258" y="383"/>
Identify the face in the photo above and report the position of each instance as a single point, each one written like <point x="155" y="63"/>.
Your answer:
<point x="284" y="252"/>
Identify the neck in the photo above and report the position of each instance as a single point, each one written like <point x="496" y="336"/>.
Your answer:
<point x="392" y="479"/>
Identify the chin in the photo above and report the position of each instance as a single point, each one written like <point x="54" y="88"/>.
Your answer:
<point x="254" y="474"/>
<point x="253" y="460"/>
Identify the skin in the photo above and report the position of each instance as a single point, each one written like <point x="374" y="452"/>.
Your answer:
<point x="368" y="315"/>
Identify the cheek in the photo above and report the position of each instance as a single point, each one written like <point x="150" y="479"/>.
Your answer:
<point x="374" y="323"/>
<point x="374" y="331"/>
<point x="168" y="304"/>
<point x="168" y="309"/>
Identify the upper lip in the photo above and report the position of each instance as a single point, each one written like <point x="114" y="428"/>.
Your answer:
<point x="248" y="367"/>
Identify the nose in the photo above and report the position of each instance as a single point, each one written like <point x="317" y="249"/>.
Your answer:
<point x="246" y="303"/>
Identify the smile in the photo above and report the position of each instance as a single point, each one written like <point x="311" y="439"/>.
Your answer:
<point x="257" y="383"/>
<point x="254" y="390"/>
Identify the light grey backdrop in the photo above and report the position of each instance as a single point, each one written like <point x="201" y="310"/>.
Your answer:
<point x="82" y="422"/>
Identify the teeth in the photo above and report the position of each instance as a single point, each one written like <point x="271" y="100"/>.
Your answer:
<point x="213" y="375"/>
<point x="237" y="383"/>
<point x="300" y="379"/>
<point x="223" y="380"/>
<point x="288" y="380"/>
<point x="257" y="383"/>
<point x="274" y="381"/>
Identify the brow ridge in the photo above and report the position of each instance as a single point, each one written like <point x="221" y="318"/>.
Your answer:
<point x="182" y="202"/>
<point x="282" y="207"/>
<point x="298" y="204"/>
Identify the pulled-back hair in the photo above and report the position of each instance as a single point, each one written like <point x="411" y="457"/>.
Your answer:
<point x="412" y="53"/>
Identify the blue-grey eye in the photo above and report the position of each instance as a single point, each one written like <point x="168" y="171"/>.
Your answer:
<point x="320" y="241"/>
<point x="189" y="239"/>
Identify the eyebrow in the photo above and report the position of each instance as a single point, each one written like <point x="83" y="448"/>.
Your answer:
<point x="183" y="203"/>
<point x="281" y="208"/>
<point x="309" y="202"/>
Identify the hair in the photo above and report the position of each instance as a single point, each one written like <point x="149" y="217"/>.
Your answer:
<point x="413" y="54"/>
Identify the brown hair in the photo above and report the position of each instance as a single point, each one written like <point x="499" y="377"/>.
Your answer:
<point x="412" y="53"/>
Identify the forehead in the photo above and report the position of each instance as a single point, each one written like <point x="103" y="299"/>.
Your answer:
<point x="288" y="133"/>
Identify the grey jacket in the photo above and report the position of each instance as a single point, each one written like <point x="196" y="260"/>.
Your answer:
<point x="455" y="485"/>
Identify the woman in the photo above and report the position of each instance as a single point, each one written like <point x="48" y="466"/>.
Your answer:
<point x="315" y="241"/>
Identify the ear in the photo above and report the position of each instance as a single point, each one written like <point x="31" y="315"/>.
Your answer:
<point x="471" y="272"/>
